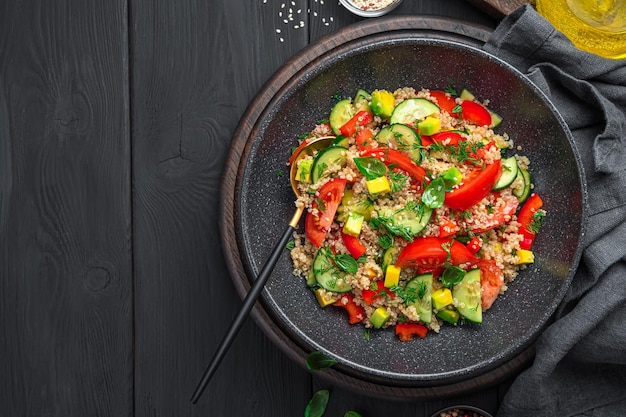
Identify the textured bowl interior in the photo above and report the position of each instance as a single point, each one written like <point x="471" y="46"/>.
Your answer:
<point x="265" y="205"/>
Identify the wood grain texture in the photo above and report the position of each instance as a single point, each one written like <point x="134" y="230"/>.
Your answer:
<point x="196" y="67"/>
<point x="65" y="254"/>
<point x="499" y="8"/>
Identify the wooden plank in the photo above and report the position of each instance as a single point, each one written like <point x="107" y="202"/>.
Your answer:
<point x="65" y="253"/>
<point x="499" y="8"/>
<point x="196" y="67"/>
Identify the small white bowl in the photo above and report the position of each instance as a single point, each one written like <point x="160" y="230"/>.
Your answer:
<point x="348" y="4"/>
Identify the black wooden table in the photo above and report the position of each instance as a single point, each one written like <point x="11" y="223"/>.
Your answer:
<point x="115" y="119"/>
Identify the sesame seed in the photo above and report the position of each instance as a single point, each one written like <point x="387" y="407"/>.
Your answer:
<point x="277" y="30"/>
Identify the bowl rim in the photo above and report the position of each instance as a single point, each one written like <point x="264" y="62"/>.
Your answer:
<point x="431" y="28"/>
<point x="369" y="13"/>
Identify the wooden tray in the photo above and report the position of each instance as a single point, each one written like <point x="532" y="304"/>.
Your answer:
<point x="433" y="27"/>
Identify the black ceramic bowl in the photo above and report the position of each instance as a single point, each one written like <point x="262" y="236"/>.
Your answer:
<point x="264" y="203"/>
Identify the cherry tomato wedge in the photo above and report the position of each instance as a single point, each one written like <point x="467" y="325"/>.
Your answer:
<point x="295" y="153"/>
<point x="474" y="187"/>
<point x="427" y="254"/>
<point x="358" y="120"/>
<point x="526" y="218"/>
<point x="474" y="244"/>
<point x="316" y="227"/>
<point x="449" y="138"/>
<point x="364" y="139"/>
<point x="406" y="331"/>
<point x="491" y="280"/>
<point x="475" y="113"/>
<point x="447" y="227"/>
<point x="354" y="245"/>
<point x="444" y="100"/>
<point x="356" y="314"/>
<point x="400" y="160"/>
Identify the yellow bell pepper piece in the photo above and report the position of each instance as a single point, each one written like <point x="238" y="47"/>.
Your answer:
<point x="525" y="257"/>
<point x="392" y="276"/>
<point x="441" y="298"/>
<point x="378" y="185"/>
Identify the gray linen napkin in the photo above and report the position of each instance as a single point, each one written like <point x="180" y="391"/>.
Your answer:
<point x="580" y="363"/>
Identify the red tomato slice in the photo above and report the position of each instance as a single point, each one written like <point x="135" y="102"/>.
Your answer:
<point x="474" y="187"/>
<point x="329" y="196"/>
<point x="475" y="113"/>
<point x="351" y="126"/>
<point x="354" y="245"/>
<point x="400" y="160"/>
<point x="364" y="138"/>
<point x="526" y="217"/>
<point x="444" y="101"/>
<point x="449" y="138"/>
<point x="491" y="280"/>
<point x="498" y="216"/>
<point x="429" y="253"/>
<point x="474" y="244"/>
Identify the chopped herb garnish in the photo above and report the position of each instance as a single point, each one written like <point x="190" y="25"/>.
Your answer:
<point x="279" y="174"/>
<point x="537" y="221"/>
<point x="336" y="96"/>
<point x="322" y="121"/>
<point x="457" y="109"/>
<point x="366" y="333"/>
<point x="290" y="245"/>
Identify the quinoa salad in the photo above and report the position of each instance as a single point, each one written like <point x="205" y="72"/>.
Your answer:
<point x="417" y="213"/>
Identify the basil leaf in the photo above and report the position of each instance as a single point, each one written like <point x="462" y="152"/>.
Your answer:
<point x="346" y="263"/>
<point x="370" y="167"/>
<point x="452" y="276"/>
<point x="317" y="405"/>
<point x="352" y="414"/>
<point x="434" y="193"/>
<point x="317" y="361"/>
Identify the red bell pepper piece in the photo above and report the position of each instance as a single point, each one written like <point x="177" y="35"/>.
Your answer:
<point x="364" y="139"/>
<point x="356" y="314"/>
<point x="527" y="219"/>
<point x="444" y="100"/>
<point x="474" y="244"/>
<point x="400" y="160"/>
<point x="369" y="295"/>
<point x="406" y="331"/>
<point x="358" y="120"/>
<point x="447" y="227"/>
<point x="354" y="245"/>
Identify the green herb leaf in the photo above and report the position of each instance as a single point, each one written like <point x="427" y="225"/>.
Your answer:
<point x="336" y="96"/>
<point x="457" y="109"/>
<point x="346" y="263"/>
<point x="317" y="405"/>
<point x="452" y="275"/>
<point x="385" y="241"/>
<point x="434" y="193"/>
<point x="366" y="333"/>
<point x="290" y="245"/>
<point x="317" y="361"/>
<point x="537" y="221"/>
<point x="279" y="174"/>
<point x="352" y="414"/>
<point x="370" y="167"/>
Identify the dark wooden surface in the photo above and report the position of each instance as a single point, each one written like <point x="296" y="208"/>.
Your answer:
<point x="115" y="119"/>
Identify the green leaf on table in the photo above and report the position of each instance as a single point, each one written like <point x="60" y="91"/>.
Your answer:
<point x="352" y="414"/>
<point x="317" y="405"/>
<point x="317" y="361"/>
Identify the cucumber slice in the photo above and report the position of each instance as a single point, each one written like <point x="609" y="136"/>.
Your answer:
<point x="467" y="95"/>
<point x="403" y="138"/>
<point x="496" y="119"/>
<point x="411" y="220"/>
<point x="351" y="204"/>
<point x="362" y="100"/>
<point x="509" y="173"/>
<point x="389" y="258"/>
<point x="467" y="294"/>
<point x="523" y="193"/>
<point x="422" y="285"/>
<point x="340" y="114"/>
<point x="333" y="155"/>
<point x="327" y="275"/>
<point x="413" y="110"/>
<point x="342" y="141"/>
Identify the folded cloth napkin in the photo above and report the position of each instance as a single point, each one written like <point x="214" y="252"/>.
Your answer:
<point x="580" y="363"/>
